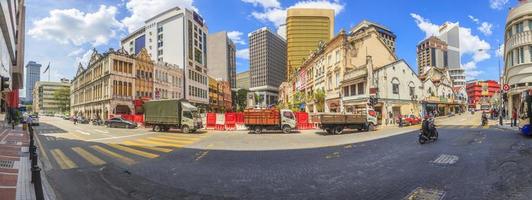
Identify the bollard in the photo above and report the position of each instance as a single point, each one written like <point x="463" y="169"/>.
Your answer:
<point x="34" y="160"/>
<point x="33" y="150"/>
<point x="37" y="184"/>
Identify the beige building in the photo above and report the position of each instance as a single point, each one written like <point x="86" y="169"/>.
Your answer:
<point x="305" y="29"/>
<point x="242" y="80"/>
<point x="144" y="75"/>
<point x="167" y="81"/>
<point x="51" y="97"/>
<point x="222" y="57"/>
<point x="518" y="53"/>
<point x="105" y="87"/>
<point x="431" y="52"/>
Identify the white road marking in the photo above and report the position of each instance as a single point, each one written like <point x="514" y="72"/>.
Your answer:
<point x="446" y="159"/>
<point x="117" y="137"/>
<point x="100" y="131"/>
<point x="83" y="132"/>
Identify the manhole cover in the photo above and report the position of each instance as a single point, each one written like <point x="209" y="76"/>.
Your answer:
<point x="446" y="159"/>
<point x="425" y="194"/>
<point x="6" y="163"/>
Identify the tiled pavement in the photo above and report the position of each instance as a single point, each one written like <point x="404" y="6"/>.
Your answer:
<point x="14" y="165"/>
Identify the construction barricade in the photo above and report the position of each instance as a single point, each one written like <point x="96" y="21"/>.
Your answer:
<point x="230" y="121"/>
<point x="240" y="121"/>
<point x="303" y="121"/>
<point x="220" y="122"/>
<point x="211" y="121"/>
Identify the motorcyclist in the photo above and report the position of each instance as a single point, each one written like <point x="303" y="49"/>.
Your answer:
<point x="427" y="125"/>
<point x="484" y="119"/>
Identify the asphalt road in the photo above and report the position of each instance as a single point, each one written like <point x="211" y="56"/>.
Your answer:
<point x="467" y="162"/>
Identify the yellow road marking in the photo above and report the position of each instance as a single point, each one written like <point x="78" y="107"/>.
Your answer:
<point x="63" y="161"/>
<point x="201" y="154"/>
<point x="140" y="145"/>
<point x="41" y="147"/>
<point x="156" y="143"/>
<point x="179" y="137"/>
<point x="134" y="151"/>
<point x="88" y="156"/>
<point x="105" y="151"/>
<point x="170" y="141"/>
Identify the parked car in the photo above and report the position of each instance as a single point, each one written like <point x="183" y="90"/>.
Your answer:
<point x="120" y="123"/>
<point x="410" y="120"/>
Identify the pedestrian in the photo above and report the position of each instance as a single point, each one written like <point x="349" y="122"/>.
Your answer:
<point x="400" y="120"/>
<point x="514" y="117"/>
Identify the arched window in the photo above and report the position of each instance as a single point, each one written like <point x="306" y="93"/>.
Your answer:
<point x="411" y="88"/>
<point x="395" y="85"/>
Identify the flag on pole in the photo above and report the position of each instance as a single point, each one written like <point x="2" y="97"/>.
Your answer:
<point x="47" y="68"/>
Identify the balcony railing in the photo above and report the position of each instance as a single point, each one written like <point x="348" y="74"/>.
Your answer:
<point x="518" y="39"/>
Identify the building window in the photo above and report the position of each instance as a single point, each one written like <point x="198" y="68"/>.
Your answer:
<point x="346" y="91"/>
<point x="521" y="55"/>
<point x="519" y="27"/>
<point x="361" y="88"/>
<point x="395" y="86"/>
<point x="412" y="91"/>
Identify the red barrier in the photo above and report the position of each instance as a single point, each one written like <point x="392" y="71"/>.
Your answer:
<point x="302" y="118"/>
<point x="230" y="118"/>
<point x="240" y="118"/>
<point x="211" y="121"/>
<point x="134" y="118"/>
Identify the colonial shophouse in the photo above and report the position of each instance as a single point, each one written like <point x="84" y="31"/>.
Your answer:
<point x="107" y="86"/>
<point x="167" y="81"/>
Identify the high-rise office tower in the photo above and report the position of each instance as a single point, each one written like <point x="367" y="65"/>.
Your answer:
<point x="431" y="52"/>
<point x="267" y="53"/>
<point x="33" y="74"/>
<point x="305" y="29"/>
<point x="222" y="57"/>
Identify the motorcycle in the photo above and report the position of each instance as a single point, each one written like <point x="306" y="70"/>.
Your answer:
<point x="428" y="131"/>
<point x="97" y="122"/>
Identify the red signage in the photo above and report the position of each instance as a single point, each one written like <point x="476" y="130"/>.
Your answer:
<point x="373" y="90"/>
<point x="506" y="87"/>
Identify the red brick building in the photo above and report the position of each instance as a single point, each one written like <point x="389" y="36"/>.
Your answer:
<point x="481" y="91"/>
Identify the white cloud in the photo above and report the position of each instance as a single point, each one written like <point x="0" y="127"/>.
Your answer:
<point x="470" y="44"/>
<point x="425" y="25"/>
<point x="281" y="31"/>
<point x="500" y="51"/>
<point x="76" y="27"/>
<point x="141" y="10"/>
<point x="277" y="15"/>
<point x="476" y="20"/>
<point x="236" y="37"/>
<point x="76" y="52"/>
<point x="485" y="28"/>
<point x="497" y="4"/>
<point x="243" y="53"/>
<point x="84" y="59"/>
<point x="264" y="3"/>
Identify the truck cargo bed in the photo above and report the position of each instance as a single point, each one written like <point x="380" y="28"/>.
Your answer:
<point x="338" y="118"/>
<point x="261" y="117"/>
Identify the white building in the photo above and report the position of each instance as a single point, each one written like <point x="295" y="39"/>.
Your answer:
<point x="518" y="53"/>
<point x="177" y="36"/>
<point x="450" y="33"/>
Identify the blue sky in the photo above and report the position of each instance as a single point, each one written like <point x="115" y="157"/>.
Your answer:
<point x="63" y="32"/>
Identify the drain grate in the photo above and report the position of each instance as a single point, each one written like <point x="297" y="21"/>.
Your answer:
<point x="446" y="159"/>
<point x="7" y="163"/>
<point x="425" y="194"/>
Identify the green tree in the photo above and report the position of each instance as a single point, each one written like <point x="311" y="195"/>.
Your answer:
<point x="241" y="99"/>
<point x="319" y="99"/>
<point x="62" y="96"/>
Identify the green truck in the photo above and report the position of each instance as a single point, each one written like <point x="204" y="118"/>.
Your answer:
<point x="173" y="113"/>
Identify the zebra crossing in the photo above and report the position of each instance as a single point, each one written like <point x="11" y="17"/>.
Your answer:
<point x="127" y="152"/>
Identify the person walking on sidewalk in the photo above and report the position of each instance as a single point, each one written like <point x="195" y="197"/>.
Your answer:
<point x="514" y="117"/>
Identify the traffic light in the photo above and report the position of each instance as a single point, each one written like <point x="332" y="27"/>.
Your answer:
<point x="5" y="84"/>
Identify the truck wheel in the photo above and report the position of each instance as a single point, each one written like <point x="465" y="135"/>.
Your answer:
<point x="257" y="130"/>
<point x="185" y="129"/>
<point x="157" y="128"/>
<point x="286" y="129"/>
<point x="338" y="130"/>
<point x="329" y="131"/>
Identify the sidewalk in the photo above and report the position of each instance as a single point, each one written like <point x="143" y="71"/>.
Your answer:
<point x="507" y="124"/>
<point x="14" y="164"/>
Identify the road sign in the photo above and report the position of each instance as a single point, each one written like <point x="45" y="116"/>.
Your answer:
<point x="506" y="87"/>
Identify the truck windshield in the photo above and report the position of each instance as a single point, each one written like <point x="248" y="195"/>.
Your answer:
<point x="288" y="115"/>
<point x="187" y="114"/>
